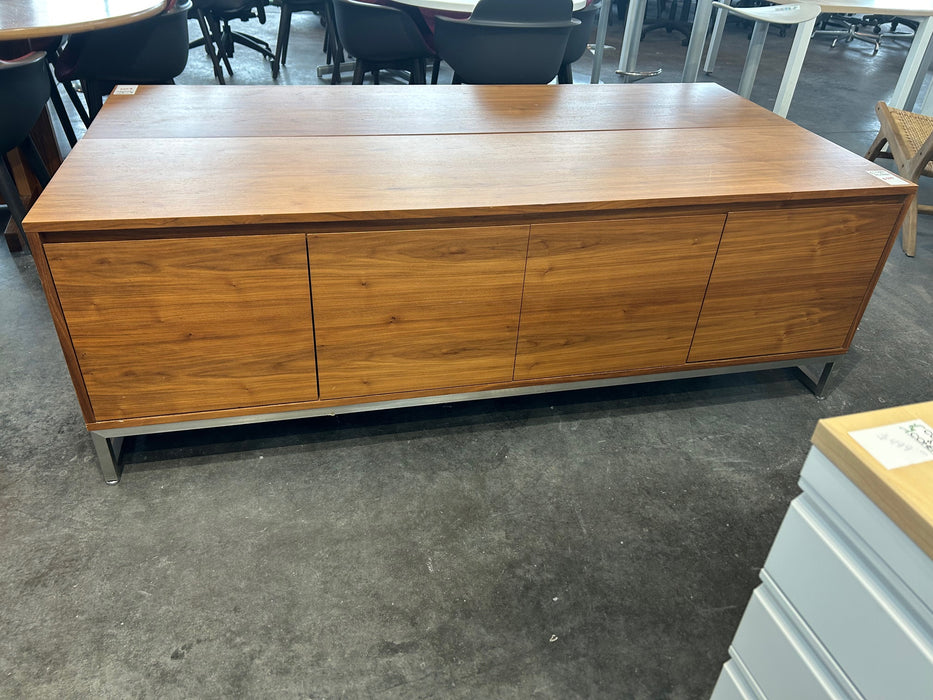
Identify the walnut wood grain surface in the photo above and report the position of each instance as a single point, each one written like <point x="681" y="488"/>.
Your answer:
<point x="207" y="111"/>
<point x="31" y="19"/>
<point x="904" y="494"/>
<point x="613" y="295"/>
<point x="402" y="311"/>
<point x="175" y="326"/>
<point x="789" y="281"/>
<point x="146" y="183"/>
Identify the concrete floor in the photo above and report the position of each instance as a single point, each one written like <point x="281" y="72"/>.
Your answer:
<point x="597" y="544"/>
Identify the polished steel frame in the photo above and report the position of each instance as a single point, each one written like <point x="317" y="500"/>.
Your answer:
<point x="108" y="442"/>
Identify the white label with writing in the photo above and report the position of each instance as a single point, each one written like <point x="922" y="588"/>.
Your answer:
<point x="125" y="89"/>
<point x="898" y="445"/>
<point x="888" y="177"/>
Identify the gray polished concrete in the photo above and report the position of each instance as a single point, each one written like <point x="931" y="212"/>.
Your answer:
<point x="597" y="544"/>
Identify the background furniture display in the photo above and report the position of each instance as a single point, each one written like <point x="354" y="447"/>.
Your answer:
<point x="151" y="51"/>
<point x="32" y="19"/>
<point x="802" y="14"/>
<point x="24" y="90"/>
<point x="441" y="256"/>
<point x="507" y="41"/>
<point x="286" y="9"/>
<point x="577" y="41"/>
<point x="845" y="608"/>
<point x="219" y="40"/>
<point x="908" y="83"/>
<point x="381" y="38"/>
<point x="910" y="139"/>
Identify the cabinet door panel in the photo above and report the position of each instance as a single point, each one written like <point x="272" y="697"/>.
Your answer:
<point x="414" y="310"/>
<point x="180" y="325"/>
<point x="607" y="296"/>
<point x="791" y="281"/>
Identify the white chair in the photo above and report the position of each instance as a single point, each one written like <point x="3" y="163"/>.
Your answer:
<point x="803" y="14"/>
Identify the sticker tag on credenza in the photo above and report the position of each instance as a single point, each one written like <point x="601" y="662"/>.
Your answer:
<point x="898" y="445"/>
<point x="125" y="89"/>
<point x="889" y="177"/>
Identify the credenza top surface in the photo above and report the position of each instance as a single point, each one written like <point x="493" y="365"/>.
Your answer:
<point x="204" y="111"/>
<point x="904" y="493"/>
<point x="276" y="155"/>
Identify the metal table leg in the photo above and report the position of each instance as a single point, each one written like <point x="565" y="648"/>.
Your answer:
<point x="108" y="454"/>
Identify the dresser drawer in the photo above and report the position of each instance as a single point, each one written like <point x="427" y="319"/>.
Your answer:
<point x="849" y="608"/>
<point x="775" y="653"/>
<point x="732" y="684"/>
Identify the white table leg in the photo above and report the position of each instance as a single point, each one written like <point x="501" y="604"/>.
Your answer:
<point x="798" y="51"/>
<point x="914" y="66"/>
<point x="697" y="40"/>
<point x="719" y="26"/>
<point x="601" y="29"/>
<point x="753" y="58"/>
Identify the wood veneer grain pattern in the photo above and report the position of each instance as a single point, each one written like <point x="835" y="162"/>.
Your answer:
<point x="183" y="325"/>
<point x="156" y="183"/>
<point x="402" y="311"/>
<point x="791" y="281"/>
<point x="210" y="111"/>
<point x="613" y="295"/>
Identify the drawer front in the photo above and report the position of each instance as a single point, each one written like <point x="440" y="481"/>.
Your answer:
<point x="417" y="310"/>
<point x="850" y="610"/>
<point x="609" y="296"/>
<point x="775" y="655"/>
<point x="179" y="325"/>
<point x="730" y="685"/>
<point x="794" y="280"/>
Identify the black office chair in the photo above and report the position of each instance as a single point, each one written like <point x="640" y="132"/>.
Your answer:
<point x="218" y="39"/>
<point x="578" y="41"/>
<point x="507" y="41"/>
<point x="332" y="50"/>
<point x="381" y="38"/>
<point x="24" y="90"/>
<point x="153" y="51"/>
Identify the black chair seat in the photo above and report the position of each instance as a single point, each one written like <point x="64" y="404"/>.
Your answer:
<point x="507" y="41"/>
<point x="24" y="90"/>
<point x="380" y="38"/>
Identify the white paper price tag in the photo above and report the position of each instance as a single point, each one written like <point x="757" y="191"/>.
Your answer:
<point x="898" y="445"/>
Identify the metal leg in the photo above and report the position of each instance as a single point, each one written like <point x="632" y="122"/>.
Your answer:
<point x="814" y="383"/>
<point x="602" y="27"/>
<point x="108" y="455"/>
<point x="798" y="51"/>
<point x="915" y="67"/>
<point x="631" y="35"/>
<point x="697" y="40"/>
<point x="719" y="26"/>
<point x="753" y="58"/>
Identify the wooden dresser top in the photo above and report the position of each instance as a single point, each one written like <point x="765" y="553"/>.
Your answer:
<point x="216" y="156"/>
<point x="905" y="493"/>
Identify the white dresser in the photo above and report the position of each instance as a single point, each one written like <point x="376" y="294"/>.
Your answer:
<point x="845" y="607"/>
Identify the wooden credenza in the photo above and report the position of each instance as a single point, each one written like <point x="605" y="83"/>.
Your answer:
<point x="214" y="255"/>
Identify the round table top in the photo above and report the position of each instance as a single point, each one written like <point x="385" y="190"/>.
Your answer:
<point x="34" y="19"/>
<point x="462" y="5"/>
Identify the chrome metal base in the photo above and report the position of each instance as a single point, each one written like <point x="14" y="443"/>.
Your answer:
<point x="108" y="442"/>
<point x="632" y="76"/>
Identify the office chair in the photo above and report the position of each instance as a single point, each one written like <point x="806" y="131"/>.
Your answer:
<point x="218" y="39"/>
<point x="507" y="41"/>
<point x="578" y="40"/>
<point x="152" y="51"/>
<point x="24" y="90"/>
<point x="379" y="38"/>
